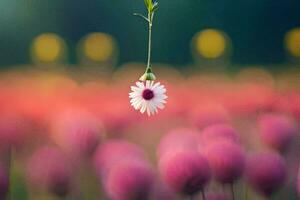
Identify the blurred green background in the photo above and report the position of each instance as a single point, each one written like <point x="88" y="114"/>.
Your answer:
<point x="255" y="27"/>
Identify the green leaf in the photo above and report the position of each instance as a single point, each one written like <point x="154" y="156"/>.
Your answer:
<point x="148" y="4"/>
<point x="154" y="7"/>
<point x="142" y="16"/>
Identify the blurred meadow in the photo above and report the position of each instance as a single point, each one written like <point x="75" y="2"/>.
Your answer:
<point x="230" y="128"/>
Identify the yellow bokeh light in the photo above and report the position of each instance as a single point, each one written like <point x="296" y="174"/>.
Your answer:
<point x="98" y="46"/>
<point x="292" y="42"/>
<point x="210" y="43"/>
<point x="47" y="47"/>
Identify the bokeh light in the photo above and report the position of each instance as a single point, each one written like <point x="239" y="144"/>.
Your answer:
<point x="98" y="47"/>
<point x="211" y="43"/>
<point x="47" y="47"/>
<point x="292" y="42"/>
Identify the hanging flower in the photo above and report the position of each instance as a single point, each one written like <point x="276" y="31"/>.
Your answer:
<point x="148" y="96"/>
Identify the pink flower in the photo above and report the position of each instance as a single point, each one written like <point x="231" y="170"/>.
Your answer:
<point x="219" y="132"/>
<point x="186" y="172"/>
<point x="226" y="159"/>
<point x="129" y="181"/>
<point x="113" y="152"/>
<point x="124" y="171"/>
<point x="179" y="139"/>
<point x="266" y="172"/>
<point x="13" y="130"/>
<point x="47" y="169"/>
<point x="276" y="131"/>
<point x="78" y="133"/>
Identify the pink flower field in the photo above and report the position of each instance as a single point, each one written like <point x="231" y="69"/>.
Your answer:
<point x="220" y="136"/>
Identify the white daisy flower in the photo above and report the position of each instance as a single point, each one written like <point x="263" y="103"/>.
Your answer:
<point x="148" y="96"/>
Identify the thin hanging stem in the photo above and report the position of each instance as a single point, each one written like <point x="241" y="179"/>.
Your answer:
<point x="151" y="6"/>
<point x="150" y="18"/>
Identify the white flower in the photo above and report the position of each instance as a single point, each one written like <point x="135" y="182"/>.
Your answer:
<point x="148" y="96"/>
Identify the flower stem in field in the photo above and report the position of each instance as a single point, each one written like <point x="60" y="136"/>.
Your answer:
<point x="232" y="191"/>
<point x="203" y="194"/>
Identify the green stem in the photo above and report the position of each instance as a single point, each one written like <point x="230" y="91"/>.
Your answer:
<point x="203" y="195"/>
<point x="246" y="193"/>
<point x="150" y="17"/>
<point x="232" y="191"/>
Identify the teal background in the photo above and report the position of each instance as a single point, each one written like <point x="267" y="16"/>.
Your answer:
<point x="256" y="27"/>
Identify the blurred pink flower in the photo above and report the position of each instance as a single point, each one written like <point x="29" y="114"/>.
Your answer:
<point x="116" y="122"/>
<point x="77" y="132"/>
<point x="276" y="131"/>
<point x="14" y="130"/>
<point x="186" y="172"/>
<point x="113" y="152"/>
<point x="129" y="181"/>
<point x="227" y="160"/>
<point x="48" y="169"/>
<point x="179" y="139"/>
<point x="266" y="172"/>
<point x="123" y="170"/>
<point x="219" y="132"/>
